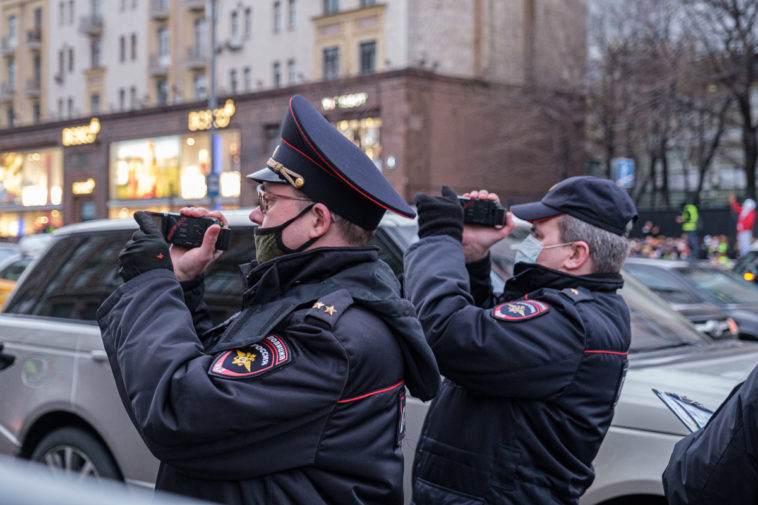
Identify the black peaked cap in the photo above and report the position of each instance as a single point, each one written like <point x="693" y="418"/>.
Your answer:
<point x="315" y="158"/>
<point x="596" y="201"/>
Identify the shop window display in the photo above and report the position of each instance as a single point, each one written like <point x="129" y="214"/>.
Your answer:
<point x="365" y="133"/>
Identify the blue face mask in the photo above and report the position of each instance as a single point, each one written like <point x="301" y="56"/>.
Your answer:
<point x="530" y="249"/>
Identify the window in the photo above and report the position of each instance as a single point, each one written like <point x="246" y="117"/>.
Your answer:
<point x="121" y="98"/>
<point x="201" y="37"/>
<point x="234" y="24"/>
<point x="366" y="3"/>
<point x="61" y="62"/>
<point x="248" y="22"/>
<point x="70" y="107"/>
<point x="122" y="48"/>
<point x="94" y="103"/>
<point x="97" y="8"/>
<point x="12" y="31"/>
<point x="37" y="68"/>
<point x="331" y="62"/>
<point x="134" y="46"/>
<point x="70" y="59"/>
<point x="12" y="74"/>
<point x="133" y="97"/>
<point x="61" y="13"/>
<point x="233" y="80"/>
<point x="277" y="75"/>
<point x="292" y="14"/>
<point x="161" y="92"/>
<point x="96" y="51"/>
<point x="277" y="16"/>
<point x="134" y="4"/>
<point x="201" y="87"/>
<point x="11" y="116"/>
<point x="331" y="6"/>
<point x="60" y="108"/>
<point x="248" y="78"/>
<point x="368" y="57"/>
<point x="122" y="5"/>
<point x="291" y="72"/>
<point x="71" y="12"/>
<point x="163" y="41"/>
<point x="36" y="112"/>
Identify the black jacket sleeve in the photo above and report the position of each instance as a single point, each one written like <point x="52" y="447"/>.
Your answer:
<point x="194" y="294"/>
<point x="480" y="283"/>
<point x="201" y="423"/>
<point x="536" y="358"/>
<point x="719" y="463"/>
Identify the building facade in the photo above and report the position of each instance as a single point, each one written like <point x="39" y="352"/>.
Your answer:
<point x="113" y="114"/>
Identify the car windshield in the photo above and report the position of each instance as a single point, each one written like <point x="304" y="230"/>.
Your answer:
<point x="721" y="285"/>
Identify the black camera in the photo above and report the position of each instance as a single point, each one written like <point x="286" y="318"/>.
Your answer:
<point x="482" y="212"/>
<point x="187" y="231"/>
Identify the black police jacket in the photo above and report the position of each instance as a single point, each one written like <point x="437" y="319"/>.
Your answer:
<point x="719" y="463"/>
<point x="297" y="399"/>
<point x="531" y="378"/>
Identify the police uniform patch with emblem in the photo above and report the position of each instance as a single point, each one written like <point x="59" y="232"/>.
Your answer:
<point x="254" y="360"/>
<point x="520" y="310"/>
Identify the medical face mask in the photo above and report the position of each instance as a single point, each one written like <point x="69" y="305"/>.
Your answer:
<point x="530" y="249"/>
<point x="269" y="244"/>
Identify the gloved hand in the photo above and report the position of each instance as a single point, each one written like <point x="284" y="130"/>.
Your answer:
<point x="147" y="250"/>
<point x="440" y="215"/>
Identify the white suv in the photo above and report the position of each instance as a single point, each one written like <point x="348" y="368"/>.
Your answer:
<point x="60" y="405"/>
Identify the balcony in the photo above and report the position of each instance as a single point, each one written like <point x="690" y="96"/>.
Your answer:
<point x="159" y="64"/>
<point x="234" y="42"/>
<point x="7" y="92"/>
<point x="7" y="46"/>
<point x="34" y="39"/>
<point x="195" y="5"/>
<point x="59" y="77"/>
<point x="91" y="25"/>
<point x="159" y="9"/>
<point x="33" y="87"/>
<point x="197" y="57"/>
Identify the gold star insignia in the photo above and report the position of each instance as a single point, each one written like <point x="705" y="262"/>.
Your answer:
<point x="330" y="310"/>
<point x="244" y="359"/>
<point x="575" y="291"/>
<point x="318" y="305"/>
<point x="517" y="309"/>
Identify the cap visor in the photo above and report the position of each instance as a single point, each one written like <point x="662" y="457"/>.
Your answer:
<point x="266" y="175"/>
<point x="534" y="211"/>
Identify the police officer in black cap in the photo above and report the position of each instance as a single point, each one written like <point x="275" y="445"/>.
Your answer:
<point x="299" y="398"/>
<point x="532" y="376"/>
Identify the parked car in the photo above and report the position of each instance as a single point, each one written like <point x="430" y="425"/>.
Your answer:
<point x="13" y="265"/>
<point x="747" y="265"/>
<point x="687" y="285"/>
<point x="60" y="404"/>
<point x="7" y="249"/>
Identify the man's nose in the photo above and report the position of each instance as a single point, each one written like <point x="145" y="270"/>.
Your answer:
<point x="256" y="216"/>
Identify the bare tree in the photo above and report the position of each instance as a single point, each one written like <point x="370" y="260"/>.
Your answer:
<point x="728" y="34"/>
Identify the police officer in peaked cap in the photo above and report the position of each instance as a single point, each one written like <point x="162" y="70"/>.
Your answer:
<point x="300" y="397"/>
<point x="532" y="375"/>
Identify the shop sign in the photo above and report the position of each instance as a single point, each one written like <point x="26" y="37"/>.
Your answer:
<point x="83" y="187"/>
<point x="201" y="119"/>
<point x="350" y="101"/>
<point x="79" y="135"/>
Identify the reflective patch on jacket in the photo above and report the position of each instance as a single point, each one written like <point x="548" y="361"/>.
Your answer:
<point x="520" y="310"/>
<point x="252" y="361"/>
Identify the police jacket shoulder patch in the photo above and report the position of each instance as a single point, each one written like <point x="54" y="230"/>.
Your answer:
<point x="520" y="310"/>
<point x="254" y="360"/>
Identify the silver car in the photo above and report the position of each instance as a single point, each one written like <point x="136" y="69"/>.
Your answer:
<point x="59" y="405"/>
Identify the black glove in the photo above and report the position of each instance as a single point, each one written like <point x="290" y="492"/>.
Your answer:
<point x="147" y="250"/>
<point x="440" y="215"/>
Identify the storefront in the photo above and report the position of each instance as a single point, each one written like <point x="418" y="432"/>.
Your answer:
<point x="31" y="191"/>
<point x="170" y="172"/>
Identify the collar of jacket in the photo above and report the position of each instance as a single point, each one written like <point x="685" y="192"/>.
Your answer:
<point x="529" y="277"/>
<point x="273" y="278"/>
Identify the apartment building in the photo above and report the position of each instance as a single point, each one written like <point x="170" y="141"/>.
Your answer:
<point x="104" y="104"/>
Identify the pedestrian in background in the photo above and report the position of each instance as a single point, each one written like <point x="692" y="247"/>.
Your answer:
<point x="532" y="377"/>
<point x="690" y="221"/>
<point x="745" y="222"/>
<point x="299" y="398"/>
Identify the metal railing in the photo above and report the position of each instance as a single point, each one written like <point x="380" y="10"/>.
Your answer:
<point x="91" y="25"/>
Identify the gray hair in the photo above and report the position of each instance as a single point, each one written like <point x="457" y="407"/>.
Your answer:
<point x="607" y="250"/>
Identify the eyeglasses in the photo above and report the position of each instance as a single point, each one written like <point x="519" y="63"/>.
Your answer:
<point x="266" y="200"/>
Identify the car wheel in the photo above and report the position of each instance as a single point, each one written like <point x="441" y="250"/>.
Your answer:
<point x="75" y="452"/>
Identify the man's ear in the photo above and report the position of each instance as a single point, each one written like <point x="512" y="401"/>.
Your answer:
<point x="321" y="220"/>
<point x="580" y="255"/>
